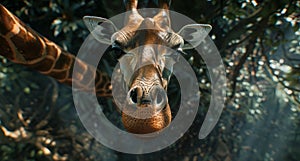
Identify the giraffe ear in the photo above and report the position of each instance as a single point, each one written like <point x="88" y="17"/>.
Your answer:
<point x="194" y="34"/>
<point x="101" y="28"/>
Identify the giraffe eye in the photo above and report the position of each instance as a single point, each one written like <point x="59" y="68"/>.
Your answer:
<point x="117" y="43"/>
<point x="175" y="47"/>
<point x="118" y="52"/>
<point x="178" y="47"/>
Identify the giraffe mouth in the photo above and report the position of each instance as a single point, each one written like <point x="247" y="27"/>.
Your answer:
<point x="149" y="125"/>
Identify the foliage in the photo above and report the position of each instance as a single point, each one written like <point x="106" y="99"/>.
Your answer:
<point x="259" y="43"/>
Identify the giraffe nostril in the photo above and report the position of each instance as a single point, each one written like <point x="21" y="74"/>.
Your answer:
<point x="133" y="95"/>
<point x="160" y="98"/>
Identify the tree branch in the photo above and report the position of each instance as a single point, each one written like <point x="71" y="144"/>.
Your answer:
<point x="236" y="71"/>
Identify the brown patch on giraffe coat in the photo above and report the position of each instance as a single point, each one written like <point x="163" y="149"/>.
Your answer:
<point x="6" y="22"/>
<point x="89" y="76"/>
<point x="64" y="61"/>
<point x="80" y="70"/>
<point x="103" y="81"/>
<point x="5" y="50"/>
<point x="44" y="65"/>
<point x="59" y="75"/>
<point x="29" y="46"/>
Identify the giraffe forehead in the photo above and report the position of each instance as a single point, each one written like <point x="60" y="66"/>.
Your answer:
<point x="152" y="24"/>
<point x="150" y="32"/>
<point x="145" y="23"/>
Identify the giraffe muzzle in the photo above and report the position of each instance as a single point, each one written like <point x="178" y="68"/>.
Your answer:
<point x="148" y="110"/>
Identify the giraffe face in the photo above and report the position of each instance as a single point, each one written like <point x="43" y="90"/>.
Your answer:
<point x="148" y="45"/>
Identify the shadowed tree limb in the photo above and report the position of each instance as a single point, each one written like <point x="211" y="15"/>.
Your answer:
<point x="249" y="49"/>
<point x="266" y="11"/>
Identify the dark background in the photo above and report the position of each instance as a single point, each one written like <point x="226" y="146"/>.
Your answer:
<point x="259" y="43"/>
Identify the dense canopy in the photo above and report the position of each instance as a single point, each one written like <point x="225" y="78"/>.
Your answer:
<point x="259" y="41"/>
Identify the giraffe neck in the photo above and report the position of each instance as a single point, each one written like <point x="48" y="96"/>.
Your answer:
<point x="22" y="45"/>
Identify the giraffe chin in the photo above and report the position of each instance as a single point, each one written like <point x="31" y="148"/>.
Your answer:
<point x="149" y="125"/>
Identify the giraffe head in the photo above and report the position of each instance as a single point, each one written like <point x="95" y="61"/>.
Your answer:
<point x="148" y="45"/>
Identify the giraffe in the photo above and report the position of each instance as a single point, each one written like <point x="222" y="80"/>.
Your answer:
<point x="22" y="45"/>
<point x="146" y="38"/>
<point x="147" y="87"/>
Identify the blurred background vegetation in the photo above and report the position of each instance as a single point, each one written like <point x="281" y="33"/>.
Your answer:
<point x="259" y="41"/>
